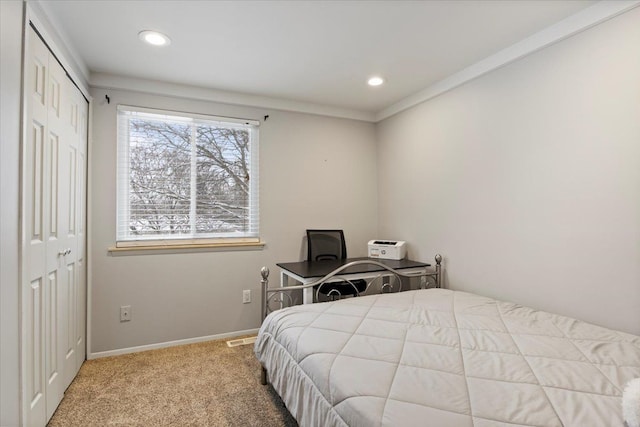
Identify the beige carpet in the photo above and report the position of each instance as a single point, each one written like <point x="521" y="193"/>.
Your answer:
<point x="206" y="384"/>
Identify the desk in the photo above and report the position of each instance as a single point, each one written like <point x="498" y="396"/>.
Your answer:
<point x="309" y="271"/>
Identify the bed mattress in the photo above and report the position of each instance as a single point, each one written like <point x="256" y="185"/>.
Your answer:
<point x="438" y="357"/>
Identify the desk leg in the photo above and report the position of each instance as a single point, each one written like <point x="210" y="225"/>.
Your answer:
<point x="284" y="281"/>
<point x="307" y="296"/>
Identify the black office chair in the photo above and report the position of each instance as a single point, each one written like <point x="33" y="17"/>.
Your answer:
<point x="325" y="245"/>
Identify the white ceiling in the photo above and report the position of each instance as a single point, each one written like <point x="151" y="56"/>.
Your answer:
<point x="316" y="52"/>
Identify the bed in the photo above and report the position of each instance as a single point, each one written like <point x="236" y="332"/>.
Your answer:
<point x="438" y="357"/>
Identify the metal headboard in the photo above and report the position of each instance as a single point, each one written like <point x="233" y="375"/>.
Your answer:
<point x="268" y="293"/>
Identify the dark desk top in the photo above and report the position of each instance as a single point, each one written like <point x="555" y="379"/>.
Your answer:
<point x="307" y="269"/>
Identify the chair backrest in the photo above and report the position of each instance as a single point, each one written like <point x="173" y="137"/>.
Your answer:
<point x="326" y="245"/>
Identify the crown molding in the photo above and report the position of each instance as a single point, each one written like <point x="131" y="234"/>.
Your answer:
<point x="133" y="84"/>
<point x="585" y="19"/>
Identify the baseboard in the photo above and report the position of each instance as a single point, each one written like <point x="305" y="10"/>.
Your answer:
<point x="140" y="348"/>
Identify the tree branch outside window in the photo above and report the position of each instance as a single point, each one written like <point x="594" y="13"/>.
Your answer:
<point x="185" y="177"/>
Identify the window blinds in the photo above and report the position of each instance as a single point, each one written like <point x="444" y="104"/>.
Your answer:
<point x="185" y="176"/>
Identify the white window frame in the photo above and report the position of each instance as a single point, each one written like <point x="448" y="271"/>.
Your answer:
<point x="125" y="240"/>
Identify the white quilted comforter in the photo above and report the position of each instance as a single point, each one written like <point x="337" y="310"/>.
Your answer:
<point x="444" y="358"/>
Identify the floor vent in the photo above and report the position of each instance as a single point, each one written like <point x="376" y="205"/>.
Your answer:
<point x="242" y="341"/>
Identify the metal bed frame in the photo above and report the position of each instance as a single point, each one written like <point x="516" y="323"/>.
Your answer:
<point x="268" y="294"/>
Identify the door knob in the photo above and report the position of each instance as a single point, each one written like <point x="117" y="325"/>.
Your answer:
<point x="65" y="252"/>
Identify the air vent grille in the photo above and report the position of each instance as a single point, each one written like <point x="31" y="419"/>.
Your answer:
<point x="241" y="341"/>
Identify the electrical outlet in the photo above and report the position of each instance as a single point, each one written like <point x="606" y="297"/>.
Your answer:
<point x="125" y="313"/>
<point x="246" y="296"/>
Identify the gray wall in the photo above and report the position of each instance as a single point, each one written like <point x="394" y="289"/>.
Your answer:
<point x="527" y="179"/>
<point x="10" y="85"/>
<point x="315" y="172"/>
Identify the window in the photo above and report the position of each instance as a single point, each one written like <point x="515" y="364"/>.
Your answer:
<point x="185" y="178"/>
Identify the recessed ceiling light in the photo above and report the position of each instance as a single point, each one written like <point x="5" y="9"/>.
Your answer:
<point x="375" y="81"/>
<point x="155" y="38"/>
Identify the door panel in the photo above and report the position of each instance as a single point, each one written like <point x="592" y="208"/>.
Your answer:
<point x="52" y="367"/>
<point x="81" y="315"/>
<point x="70" y="336"/>
<point x="34" y="183"/>
<point x="34" y="343"/>
<point x="54" y="144"/>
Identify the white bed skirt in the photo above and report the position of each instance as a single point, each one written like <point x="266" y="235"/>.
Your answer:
<point x="299" y="394"/>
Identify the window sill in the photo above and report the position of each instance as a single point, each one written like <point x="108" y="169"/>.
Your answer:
<point x="186" y="248"/>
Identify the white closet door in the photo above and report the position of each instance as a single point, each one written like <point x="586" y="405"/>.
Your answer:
<point x="41" y="291"/>
<point x="67" y="223"/>
<point x="80" y="134"/>
<point x="72" y="225"/>
<point x="56" y="245"/>
<point x="53" y="238"/>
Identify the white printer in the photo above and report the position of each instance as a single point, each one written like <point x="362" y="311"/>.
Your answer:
<point x="387" y="249"/>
